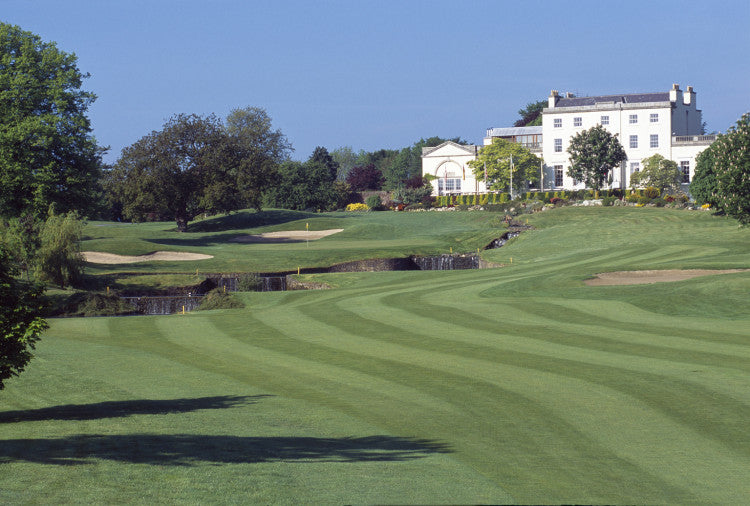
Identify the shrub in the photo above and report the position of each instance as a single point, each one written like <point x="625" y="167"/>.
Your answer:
<point x="658" y="202"/>
<point x="652" y="192"/>
<point x="608" y="201"/>
<point x="557" y="201"/>
<point x="374" y="202"/>
<point x="357" y="207"/>
<point x="504" y="198"/>
<point x="643" y="200"/>
<point x="218" y="299"/>
<point x="248" y="282"/>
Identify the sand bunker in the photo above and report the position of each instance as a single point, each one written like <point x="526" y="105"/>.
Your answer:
<point x="96" y="257"/>
<point x="287" y="236"/>
<point x="645" y="277"/>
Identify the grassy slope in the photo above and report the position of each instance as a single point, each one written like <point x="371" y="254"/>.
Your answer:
<point x="511" y="385"/>
<point x="365" y="235"/>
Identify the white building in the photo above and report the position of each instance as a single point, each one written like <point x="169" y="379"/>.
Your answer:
<point x="448" y="164"/>
<point x="667" y="123"/>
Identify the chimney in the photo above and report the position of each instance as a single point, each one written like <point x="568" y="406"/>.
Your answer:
<point x="674" y="93"/>
<point x="569" y="95"/>
<point x="553" y="98"/>
<point x="689" y="96"/>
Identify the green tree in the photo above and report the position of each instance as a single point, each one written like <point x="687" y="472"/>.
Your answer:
<point x="47" y="153"/>
<point x="322" y="156"/>
<point x="346" y="158"/>
<point x="258" y="150"/>
<point x="531" y="115"/>
<point x="181" y="171"/>
<point x="593" y="154"/>
<point x="496" y="157"/>
<point x="657" y="172"/>
<point x="732" y="168"/>
<point x="20" y="320"/>
<point x="307" y="186"/>
<point x="59" y="258"/>
<point x="703" y="186"/>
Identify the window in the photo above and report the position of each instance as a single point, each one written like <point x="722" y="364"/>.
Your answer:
<point x="446" y="185"/>
<point x="635" y="167"/>
<point x="685" y="166"/>
<point x="654" y="118"/>
<point x="605" y="120"/>
<point x="558" y="175"/>
<point x="577" y="121"/>
<point x="558" y="122"/>
<point x="633" y="119"/>
<point x="654" y="141"/>
<point x="558" y="145"/>
<point x="633" y="141"/>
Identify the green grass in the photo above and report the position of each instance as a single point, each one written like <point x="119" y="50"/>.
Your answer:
<point x="517" y="384"/>
<point x="365" y="235"/>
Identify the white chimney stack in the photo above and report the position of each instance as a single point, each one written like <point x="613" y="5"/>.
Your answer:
<point x="553" y="98"/>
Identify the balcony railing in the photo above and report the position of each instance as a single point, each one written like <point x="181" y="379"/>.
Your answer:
<point x="693" y="139"/>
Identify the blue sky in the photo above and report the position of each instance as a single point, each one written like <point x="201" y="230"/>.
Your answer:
<point x="384" y="74"/>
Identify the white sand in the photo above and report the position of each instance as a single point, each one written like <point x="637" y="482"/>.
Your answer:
<point x="645" y="277"/>
<point x="96" y="257"/>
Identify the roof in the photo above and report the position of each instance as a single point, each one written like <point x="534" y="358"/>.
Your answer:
<point x="636" y="98"/>
<point x="469" y="148"/>
<point x="510" y="131"/>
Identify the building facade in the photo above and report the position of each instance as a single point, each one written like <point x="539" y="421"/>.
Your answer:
<point x="666" y="123"/>
<point x="447" y="163"/>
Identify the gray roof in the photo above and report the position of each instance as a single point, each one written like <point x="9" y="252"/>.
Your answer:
<point x="509" y="131"/>
<point x="636" y="98"/>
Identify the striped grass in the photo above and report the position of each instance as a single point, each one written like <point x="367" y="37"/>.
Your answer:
<point x="511" y="385"/>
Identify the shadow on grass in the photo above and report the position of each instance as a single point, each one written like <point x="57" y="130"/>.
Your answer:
<point x="189" y="449"/>
<point x="120" y="409"/>
<point x="187" y="240"/>
<point x="248" y="219"/>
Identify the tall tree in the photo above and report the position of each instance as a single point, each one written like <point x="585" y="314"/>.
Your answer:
<point x="47" y="153"/>
<point x="703" y="187"/>
<point x="732" y="168"/>
<point x="181" y="171"/>
<point x="321" y="156"/>
<point x="20" y="320"/>
<point x="365" y="178"/>
<point x="496" y="158"/>
<point x="593" y="154"/>
<point x="531" y="115"/>
<point x="657" y="172"/>
<point x="259" y="150"/>
<point x="347" y="160"/>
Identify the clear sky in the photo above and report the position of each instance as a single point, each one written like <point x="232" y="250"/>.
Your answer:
<point x="383" y="74"/>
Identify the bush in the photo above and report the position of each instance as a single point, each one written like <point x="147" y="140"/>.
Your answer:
<point x="357" y="207"/>
<point x="248" y="282"/>
<point x="652" y="192"/>
<point x="557" y="201"/>
<point x="643" y="200"/>
<point x="608" y="201"/>
<point x="218" y="299"/>
<point x="658" y="202"/>
<point x="374" y="202"/>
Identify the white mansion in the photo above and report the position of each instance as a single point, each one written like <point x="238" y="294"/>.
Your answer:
<point x="667" y="123"/>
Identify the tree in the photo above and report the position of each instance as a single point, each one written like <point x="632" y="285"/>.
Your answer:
<point x="321" y="156"/>
<point x="307" y="186"/>
<point x="181" y="171"/>
<point x="657" y="172"/>
<point x="496" y="157"/>
<point x="258" y="149"/>
<point x="346" y="158"/>
<point x="20" y="320"/>
<point x="732" y="169"/>
<point x="593" y="154"/>
<point x="703" y="187"/>
<point x="59" y="258"/>
<point x="47" y="153"/>
<point x="531" y="115"/>
<point x="365" y="178"/>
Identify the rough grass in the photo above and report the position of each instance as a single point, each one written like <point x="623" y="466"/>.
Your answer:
<point x="515" y="385"/>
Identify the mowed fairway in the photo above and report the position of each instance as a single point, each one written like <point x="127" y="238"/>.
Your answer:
<point x="510" y="385"/>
